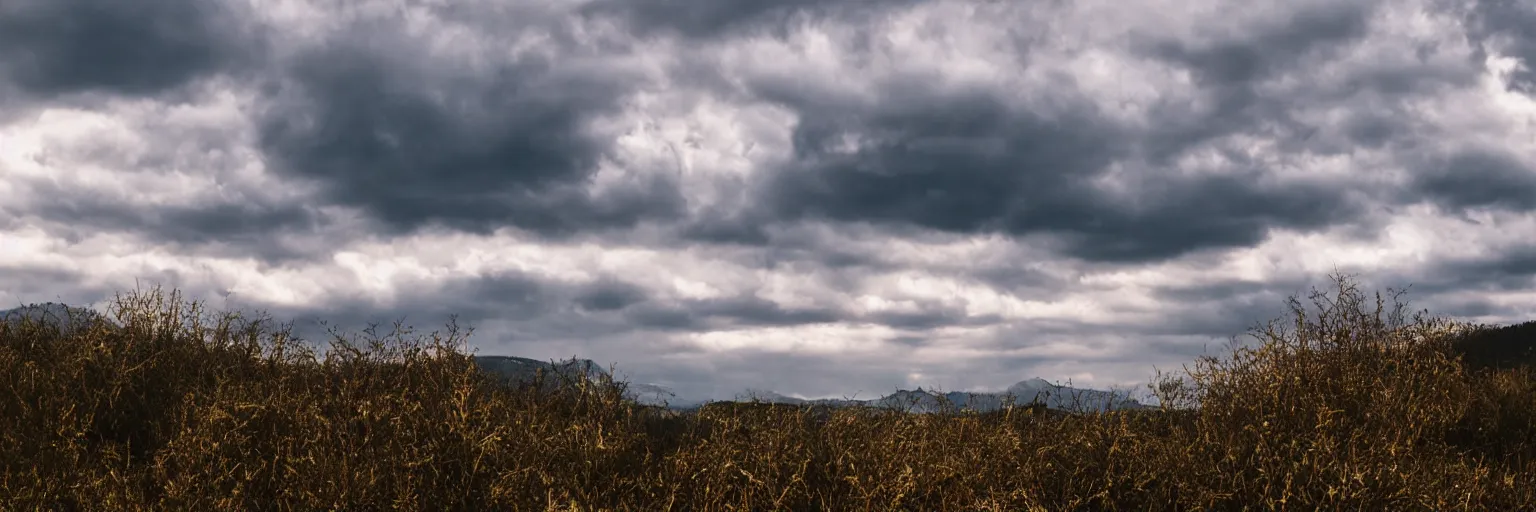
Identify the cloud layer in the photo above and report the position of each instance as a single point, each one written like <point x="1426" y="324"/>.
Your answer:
<point x="821" y="198"/>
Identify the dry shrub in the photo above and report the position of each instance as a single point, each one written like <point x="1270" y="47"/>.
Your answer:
<point x="1340" y="408"/>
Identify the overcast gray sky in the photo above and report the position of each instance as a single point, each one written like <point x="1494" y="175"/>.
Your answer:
<point x="820" y="198"/>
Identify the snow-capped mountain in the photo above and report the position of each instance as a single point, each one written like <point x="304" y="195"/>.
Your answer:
<point x="522" y="369"/>
<point x="920" y="401"/>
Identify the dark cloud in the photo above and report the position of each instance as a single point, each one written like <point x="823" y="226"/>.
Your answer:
<point x="748" y="311"/>
<point x="970" y="164"/>
<point x="1374" y="131"/>
<point x="413" y="142"/>
<point x="1256" y="55"/>
<point x="1220" y="310"/>
<point x="141" y="47"/>
<point x="1210" y="212"/>
<point x="609" y="295"/>
<point x="1468" y="308"/>
<point x="27" y="284"/>
<point x="666" y="317"/>
<point x="734" y="17"/>
<point x="725" y="228"/>
<point x="1016" y="281"/>
<point x="726" y="313"/>
<point x="931" y="316"/>
<point x="952" y="164"/>
<point x="1470" y="179"/>
<point x="542" y="310"/>
<point x="250" y="228"/>
<point x="1228" y="289"/>
<point x="756" y="311"/>
<point x="967" y="163"/>
<point x="506" y="295"/>
<point x="818" y="249"/>
<point x="908" y="341"/>
<point x="1229" y="71"/>
<point x="1515" y="22"/>
<point x="1450" y="287"/>
<point x="530" y="301"/>
<point x="1512" y="269"/>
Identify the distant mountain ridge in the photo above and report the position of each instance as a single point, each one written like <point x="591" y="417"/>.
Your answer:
<point x="521" y="369"/>
<point x="70" y="318"/>
<point x="525" y="370"/>
<point x="1023" y="393"/>
<point x="67" y="317"/>
<point x="1498" y="347"/>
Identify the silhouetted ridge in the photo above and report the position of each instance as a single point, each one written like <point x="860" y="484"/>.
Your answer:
<point x="1505" y="347"/>
<point x="67" y="318"/>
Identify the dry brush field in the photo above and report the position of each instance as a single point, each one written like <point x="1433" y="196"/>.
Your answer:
<point x="1344" y="406"/>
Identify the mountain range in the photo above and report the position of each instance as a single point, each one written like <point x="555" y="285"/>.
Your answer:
<point x="68" y="318"/>
<point x="919" y="401"/>
<point x="520" y="369"/>
<point x="1024" y="392"/>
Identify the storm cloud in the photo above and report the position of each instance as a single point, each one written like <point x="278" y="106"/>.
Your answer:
<point x="818" y="198"/>
<point x="53" y="47"/>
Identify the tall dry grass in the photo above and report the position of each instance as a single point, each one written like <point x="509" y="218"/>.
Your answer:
<point x="1340" y="408"/>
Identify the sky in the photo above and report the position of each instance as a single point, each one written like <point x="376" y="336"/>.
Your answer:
<point x="833" y="198"/>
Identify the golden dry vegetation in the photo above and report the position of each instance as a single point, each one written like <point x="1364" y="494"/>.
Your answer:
<point x="1342" y="407"/>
